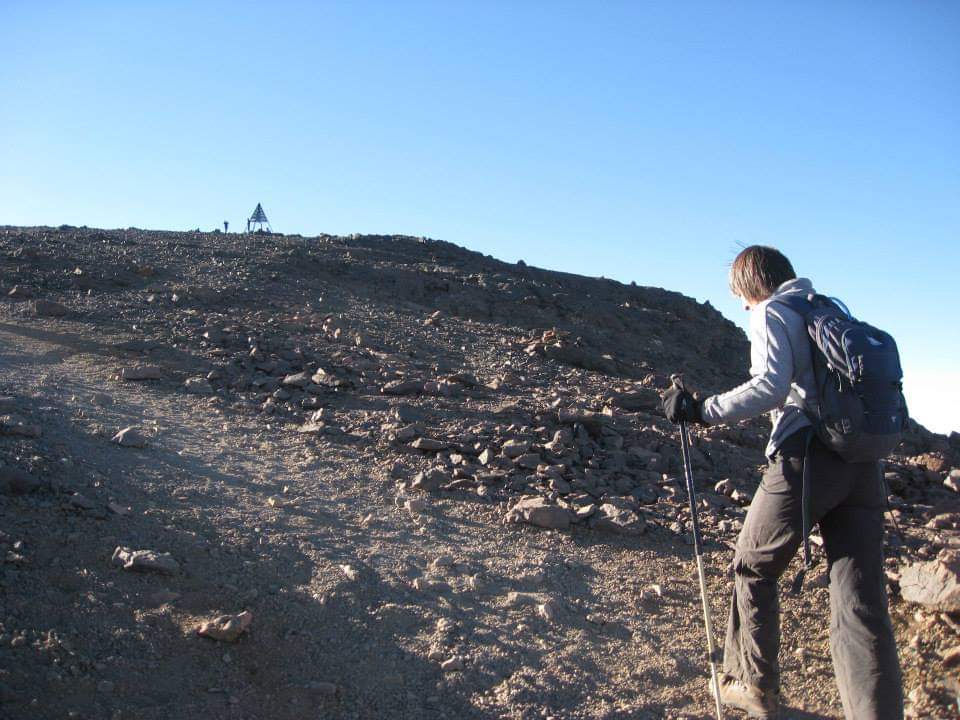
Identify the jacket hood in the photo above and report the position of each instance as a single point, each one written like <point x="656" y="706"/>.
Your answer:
<point x="795" y="286"/>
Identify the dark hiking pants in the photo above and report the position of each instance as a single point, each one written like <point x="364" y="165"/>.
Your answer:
<point x="847" y="499"/>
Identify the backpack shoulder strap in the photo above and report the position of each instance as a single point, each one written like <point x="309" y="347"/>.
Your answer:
<point x="800" y="304"/>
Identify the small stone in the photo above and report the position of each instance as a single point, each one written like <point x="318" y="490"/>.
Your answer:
<point x="651" y="592"/>
<point x="300" y="380"/>
<point x="402" y="387"/>
<point x="944" y="521"/>
<point x="475" y="583"/>
<point x="545" y="606"/>
<point x="515" y="448"/>
<point x="14" y="481"/>
<point x="350" y="572"/>
<point x="407" y="413"/>
<point x="226" y="628"/>
<point x="431" y="480"/>
<point x="429" y="444"/>
<point x="453" y="664"/>
<point x="443" y="561"/>
<point x="141" y="372"/>
<point x="160" y="597"/>
<point x="322" y="688"/>
<point x="724" y="487"/>
<point x="105" y="687"/>
<point x="47" y="308"/>
<point x="129" y="437"/>
<point x="549" y="611"/>
<point x="421" y="584"/>
<point x="741" y="497"/>
<point x="409" y="432"/>
<point x="198" y="386"/>
<point x="619" y="520"/>
<point x="952" y="481"/>
<point x="934" y="463"/>
<point x="537" y="511"/>
<point x="101" y="399"/>
<point x="21" y="292"/>
<point x="416" y="506"/>
<point x="528" y="460"/>
<point x="144" y="560"/>
<point x="15" y="425"/>
<point x="312" y="428"/>
<point x="584" y="512"/>
<point x="81" y="501"/>
<point x="951" y="657"/>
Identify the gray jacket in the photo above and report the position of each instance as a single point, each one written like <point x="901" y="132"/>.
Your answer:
<point x="781" y="369"/>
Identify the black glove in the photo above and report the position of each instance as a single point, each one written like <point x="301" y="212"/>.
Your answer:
<point x="679" y="405"/>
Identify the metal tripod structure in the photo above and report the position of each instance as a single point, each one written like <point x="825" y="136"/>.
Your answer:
<point x="258" y="220"/>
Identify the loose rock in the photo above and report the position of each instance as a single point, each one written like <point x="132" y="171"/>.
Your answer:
<point x="934" y="584"/>
<point x="537" y="511"/>
<point x="619" y="520"/>
<point x="13" y="425"/>
<point x="145" y="560"/>
<point x="226" y="628"/>
<point x="14" y="481"/>
<point x="129" y="437"/>
<point x="47" y="308"/>
<point x="141" y="372"/>
<point x="198" y="386"/>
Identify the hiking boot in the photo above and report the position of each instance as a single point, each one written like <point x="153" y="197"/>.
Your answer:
<point x="757" y="703"/>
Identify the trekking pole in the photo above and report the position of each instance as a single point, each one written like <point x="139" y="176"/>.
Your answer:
<point x="698" y="551"/>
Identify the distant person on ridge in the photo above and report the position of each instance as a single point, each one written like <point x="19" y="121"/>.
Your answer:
<point x="847" y="499"/>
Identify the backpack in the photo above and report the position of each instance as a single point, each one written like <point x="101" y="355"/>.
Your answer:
<point x="860" y="412"/>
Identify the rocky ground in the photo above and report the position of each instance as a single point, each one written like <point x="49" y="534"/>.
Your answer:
<point x="375" y="477"/>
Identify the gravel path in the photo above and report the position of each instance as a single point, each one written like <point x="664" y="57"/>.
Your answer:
<point x="364" y="604"/>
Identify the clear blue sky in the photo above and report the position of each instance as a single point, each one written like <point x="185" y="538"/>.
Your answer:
<point x="639" y="141"/>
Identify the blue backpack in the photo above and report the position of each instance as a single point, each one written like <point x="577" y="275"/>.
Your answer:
<point x="860" y="412"/>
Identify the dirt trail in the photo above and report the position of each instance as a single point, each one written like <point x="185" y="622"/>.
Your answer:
<point x="100" y="645"/>
<point x="339" y="435"/>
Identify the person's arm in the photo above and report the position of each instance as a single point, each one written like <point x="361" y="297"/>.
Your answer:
<point x="771" y="367"/>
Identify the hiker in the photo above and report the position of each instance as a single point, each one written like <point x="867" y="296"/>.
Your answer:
<point x="847" y="499"/>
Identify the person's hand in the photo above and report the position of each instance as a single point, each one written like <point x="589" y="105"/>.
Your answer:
<point x="679" y="405"/>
